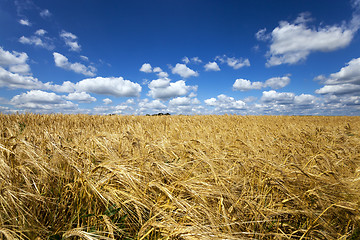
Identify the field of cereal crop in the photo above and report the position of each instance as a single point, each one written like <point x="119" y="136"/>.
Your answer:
<point x="179" y="177"/>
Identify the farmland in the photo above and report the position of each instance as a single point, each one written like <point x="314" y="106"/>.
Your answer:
<point x="179" y="177"/>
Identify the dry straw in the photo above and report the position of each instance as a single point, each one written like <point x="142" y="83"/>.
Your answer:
<point x="179" y="177"/>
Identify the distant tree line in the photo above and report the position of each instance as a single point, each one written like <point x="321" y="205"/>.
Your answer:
<point x="156" y="114"/>
<point x="159" y="114"/>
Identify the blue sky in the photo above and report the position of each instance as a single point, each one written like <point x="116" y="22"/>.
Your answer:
<point x="182" y="57"/>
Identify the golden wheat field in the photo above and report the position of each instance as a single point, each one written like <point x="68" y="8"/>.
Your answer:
<point x="179" y="177"/>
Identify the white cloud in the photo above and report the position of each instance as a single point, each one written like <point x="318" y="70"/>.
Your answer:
<point x="183" y="101"/>
<point x="15" y="80"/>
<point x="4" y="109"/>
<point x="24" y="22"/>
<point x="164" y="89"/>
<point x="40" y="32"/>
<point x="115" y="86"/>
<point x="37" y="99"/>
<point x="10" y="59"/>
<point x="346" y="88"/>
<point x="159" y="83"/>
<point x="304" y="99"/>
<point x="20" y="68"/>
<point x="36" y="96"/>
<point x="85" y="58"/>
<point x="293" y="42"/>
<point x="155" y="105"/>
<point x="212" y="66"/>
<point x="184" y="71"/>
<point x="348" y="74"/>
<point x="238" y="63"/>
<point x="63" y="62"/>
<point x="157" y="70"/>
<point x="210" y="101"/>
<point x="45" y="13"/>
<point x="346" y="81"/>
<point x="261" y="35"/>
<point x="278" y="98"/>
<point x="16" y="63"/>
<point x="352" y="100"/>
<point x="277" y="82"/>
<point x="107" y="101"/>
<point x="81" y="97"/>
<point x="37" y="41"/>
<point x="66" y="86"/>
<point x="186" y="60"/>
<point x="146" y="68"/>
<point x="196" y="60"/>
<point x="233" y="62"/>
<point x="70" y="41"/>
<point x="274" y="83"/>
<point x="163" y="75"/>
<point x="223" y="102"/>
<point x="246" y="85"/>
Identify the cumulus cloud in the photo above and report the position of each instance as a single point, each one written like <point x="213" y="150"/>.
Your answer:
<point x="107" y="101"/>
<point x="352" y="100"/>
<point x="151" y="105"/>
<point x="37" y="99"/>
<point x="304" y="100"/>
<point x="273" y="102"/>
<point x="212" y="66"/>
<point x="183" y="101"/>
<point x="36" y="96"/>
<point x="40" y="32"/>
<point x="277" y="82"/>
<point x="246" y="85"/>
<point x="70" y="40"/>
<point x="14" y="60"/>
<point x="234" y="62"/>
<point x="36" y="41"/>
<point x="274" y="83"/>
<point x="293" y="42"/>
<point x="340" y="89"/>
<point x="345" y="81"/>
<point x="15" y="80"/>
<point x="81" y="97"/>
<point x="278" y="98"/>
<point x="146" y="68"/>
<point x="162" y="74"/>
<point x="157" y="70"/>
<point x="164" y="89"/>
<point x="224" y="102"/>
<point x="63" y="62"/>
<point x="114" y="86"/>
<point x="184" y="71"/>
<point x="20" y="68"/>
<point x="66" y="86"/>
<point x="185" y="105"/>
<point x="24" y="22"/>
<point x="8" y="59"/>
